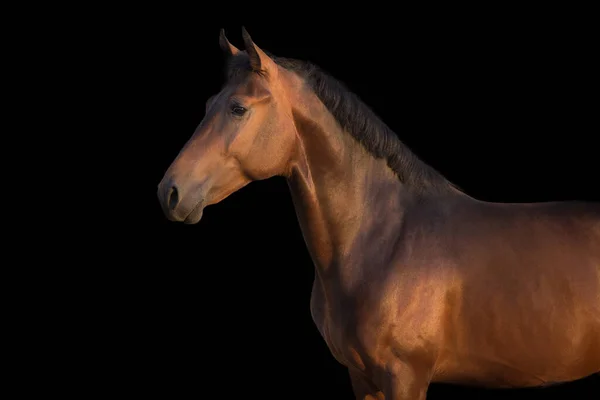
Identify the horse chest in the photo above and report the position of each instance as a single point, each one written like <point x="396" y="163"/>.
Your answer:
<point x="338" y="328"/>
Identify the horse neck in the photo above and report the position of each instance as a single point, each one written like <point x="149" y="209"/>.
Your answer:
<point x="341" y="193"/>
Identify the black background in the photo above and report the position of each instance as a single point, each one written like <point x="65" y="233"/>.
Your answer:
<point x="501" y="102"/>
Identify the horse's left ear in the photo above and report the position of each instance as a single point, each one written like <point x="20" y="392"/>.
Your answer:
<point x="259" y="60"/>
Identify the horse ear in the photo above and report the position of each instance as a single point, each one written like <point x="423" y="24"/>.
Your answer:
<point x="227" y="47"/>
<point x="259" y="60"/>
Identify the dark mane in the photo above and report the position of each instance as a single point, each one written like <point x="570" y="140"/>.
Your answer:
<point x="356" y="118"/>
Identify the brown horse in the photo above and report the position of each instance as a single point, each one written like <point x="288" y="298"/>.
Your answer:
<point x="416" y="282"/>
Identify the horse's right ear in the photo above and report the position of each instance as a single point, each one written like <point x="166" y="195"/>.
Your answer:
<point x="227" y="47"/>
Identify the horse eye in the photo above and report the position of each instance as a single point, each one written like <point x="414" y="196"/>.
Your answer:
<point x="238" y="110"/>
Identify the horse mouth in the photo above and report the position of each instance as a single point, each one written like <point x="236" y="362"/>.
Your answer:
<point x="195" y="215"/>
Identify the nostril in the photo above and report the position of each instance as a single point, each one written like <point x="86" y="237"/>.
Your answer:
<point x="173" y="198"/>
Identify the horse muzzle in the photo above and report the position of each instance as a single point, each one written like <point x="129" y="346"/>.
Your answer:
<point x="179" y="206"/>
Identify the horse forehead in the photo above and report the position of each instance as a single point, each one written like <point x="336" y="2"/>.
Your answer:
<point x="251" y="85"/>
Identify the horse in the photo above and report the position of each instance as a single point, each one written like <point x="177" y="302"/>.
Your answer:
<point x="416" y="281"/>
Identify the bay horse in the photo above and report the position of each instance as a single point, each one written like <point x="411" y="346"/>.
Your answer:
<point x="416" y="281"/>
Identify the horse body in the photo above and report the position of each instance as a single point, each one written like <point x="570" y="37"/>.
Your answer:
<point x="415" y="282"/>
<point x="478" y="306"/>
